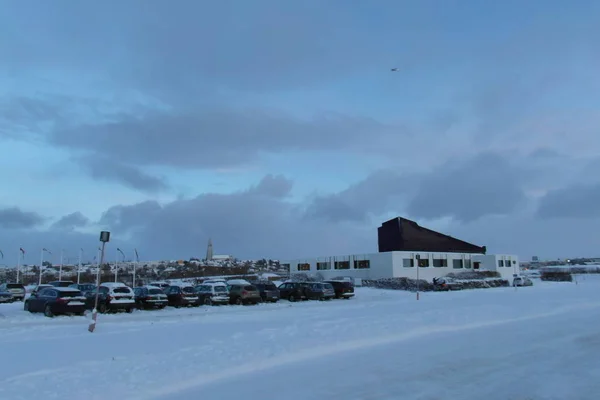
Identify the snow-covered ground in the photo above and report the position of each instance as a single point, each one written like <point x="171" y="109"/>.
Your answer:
<point x="540" y="342"/>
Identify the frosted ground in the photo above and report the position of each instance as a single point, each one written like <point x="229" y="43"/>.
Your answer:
<point x="541" y="342"/>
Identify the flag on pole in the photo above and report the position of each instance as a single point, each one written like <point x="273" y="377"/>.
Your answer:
<point x="137" y="257"/>
<point x="46" y="250"/>
<point x="22" y="251"/>
<point x="1" y="254"/>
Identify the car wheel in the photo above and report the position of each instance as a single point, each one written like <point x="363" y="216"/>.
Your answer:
<point x="239" y="301"/>
<point x="129" y="310"/>
<point x="26" y="306"/>
<point x="208" y="301"/>
<point x="292" y="298"/>
<point x="102" y="308"/>
<point x="48" y="311"/>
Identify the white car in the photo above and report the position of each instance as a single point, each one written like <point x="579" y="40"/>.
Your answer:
<point x="113" y="296"/>
<point x="522" y="281"/>
<point x="213" y="293"/>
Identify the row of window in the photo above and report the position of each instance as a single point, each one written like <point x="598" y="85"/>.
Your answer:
<point x="505" y="263"/>
<point x="321" y="266"/>
<point x="439" y="263"/>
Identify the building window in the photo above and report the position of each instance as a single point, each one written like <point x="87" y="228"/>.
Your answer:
<point x="467" y="263"/>
<point x="424" y="262"/>
<point x="285" y="266"/>
<point x="501" y="263"/>
<point x="342" y="265"/>
<point x="362" y="264"/>
<point x="438" y="262"/>
<point x="457" y="264"/>
<point x="408" y="262"/>
<point x="323" y="265"/>
<point x="304" y="267"/>
<point x="514" y="262"/>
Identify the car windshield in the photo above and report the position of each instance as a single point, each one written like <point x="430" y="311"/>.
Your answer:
<point x="121" y="289"/>
<point x="155" y="291"/>
<point x="220" y="289"/>
<point x="327" y="286"/>
<point x="14" y="286"/>
<point x="87" y="287"/>
<point x="188" y="289"/>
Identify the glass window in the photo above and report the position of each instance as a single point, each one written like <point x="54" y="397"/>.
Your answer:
<point x="457" y="264"/>
<point x="304" y="267"/>
<point x="323" y="265"/>
<point x="342" y="265"/>
<point x="362" y="264"/>
<point x="467" y="263"/>
<point x="408" y="262"/>
<point x="438" y="262"/>
<point x="424" y="262"/>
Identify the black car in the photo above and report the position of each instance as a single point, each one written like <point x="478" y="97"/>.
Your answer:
<point x="56" y="300"/>
<point x="182" y="296"/>
<point x="268" y="291"/>
<point x="84" y="287"/>
<point x="292" y="291"/>
<point x="343" y="289"/>
<point x="150" y="297"/>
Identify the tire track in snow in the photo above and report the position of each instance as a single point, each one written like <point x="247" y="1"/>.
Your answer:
<point x="347" y="346"/>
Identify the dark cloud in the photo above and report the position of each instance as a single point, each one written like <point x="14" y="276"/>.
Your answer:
<point x="15" y="218"/>
<point x="256" y="222"/>
<point x="380" y="192"/>
<point x="112" y="170"/>
<point x="469" y="189"/>
<point x="207" y="139"/>
<point x="576" y="201"/>
<point x="71" y="221"/>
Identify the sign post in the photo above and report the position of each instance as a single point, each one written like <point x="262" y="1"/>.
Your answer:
<point x="418" y="257"/>
<point x="104" y="238"/>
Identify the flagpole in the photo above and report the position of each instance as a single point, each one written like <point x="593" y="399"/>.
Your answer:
<point x="79" y="266"/>
<point x="61" y="265"/>
<point x="18" y="264"/>
<point x="41" y="266"/>
<point x="137" y="259"/>
<point x="116" y="264"/>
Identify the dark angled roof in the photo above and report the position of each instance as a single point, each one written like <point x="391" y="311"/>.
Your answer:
<point x="401" y="234"/>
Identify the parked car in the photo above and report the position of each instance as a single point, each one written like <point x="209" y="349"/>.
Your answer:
<point x="6" y="296"/>
<point x="17" y="290"/>
<point x="212" y="293"/>
<point x="182" y="296"/>
<point x="39" y="288"/>
<point x="243" y="294"/>
<point x="161" y="284"/>
<point x="61" y="283"/>
<point x="343" y="289"/>
<point x="292" y="291"/>
<point x="150" y="297"/>
<point x="319" y="291"/>
<point x="113" y="296"/>
<point x="522" y="281"/>
<point x="268" y="291"/>
<point x="56" y="300"/>
<point x="84" y="287"/>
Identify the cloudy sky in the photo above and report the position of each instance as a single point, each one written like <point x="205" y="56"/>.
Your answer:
<point x="277" y="128"/>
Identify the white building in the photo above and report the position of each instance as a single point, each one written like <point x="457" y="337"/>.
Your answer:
<point x="398" y="264"/>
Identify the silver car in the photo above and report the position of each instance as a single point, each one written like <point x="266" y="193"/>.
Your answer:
<point x="5" y="297"/>
<point x="17" y="290"/>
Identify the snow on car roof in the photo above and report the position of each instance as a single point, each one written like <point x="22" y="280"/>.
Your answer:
<point x="238" y="282"/>
<point x="113" y="284"/>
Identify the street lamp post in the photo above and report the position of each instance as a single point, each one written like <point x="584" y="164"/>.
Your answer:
<point x="61" y="265"/>
<point x="44" y="250"/>
<point x="135" y="262"/>
<point x="117" y="262"/>
<point x="104" y="238"/>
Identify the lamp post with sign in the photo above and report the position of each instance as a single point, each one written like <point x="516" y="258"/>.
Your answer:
<point x="104" y="238"/>
<point x="418" y="257"/>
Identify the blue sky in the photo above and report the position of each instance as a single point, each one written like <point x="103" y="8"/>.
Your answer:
<point x="278" y="129"/>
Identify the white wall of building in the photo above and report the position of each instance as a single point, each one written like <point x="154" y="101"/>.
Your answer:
<point x="398" y="264"/>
